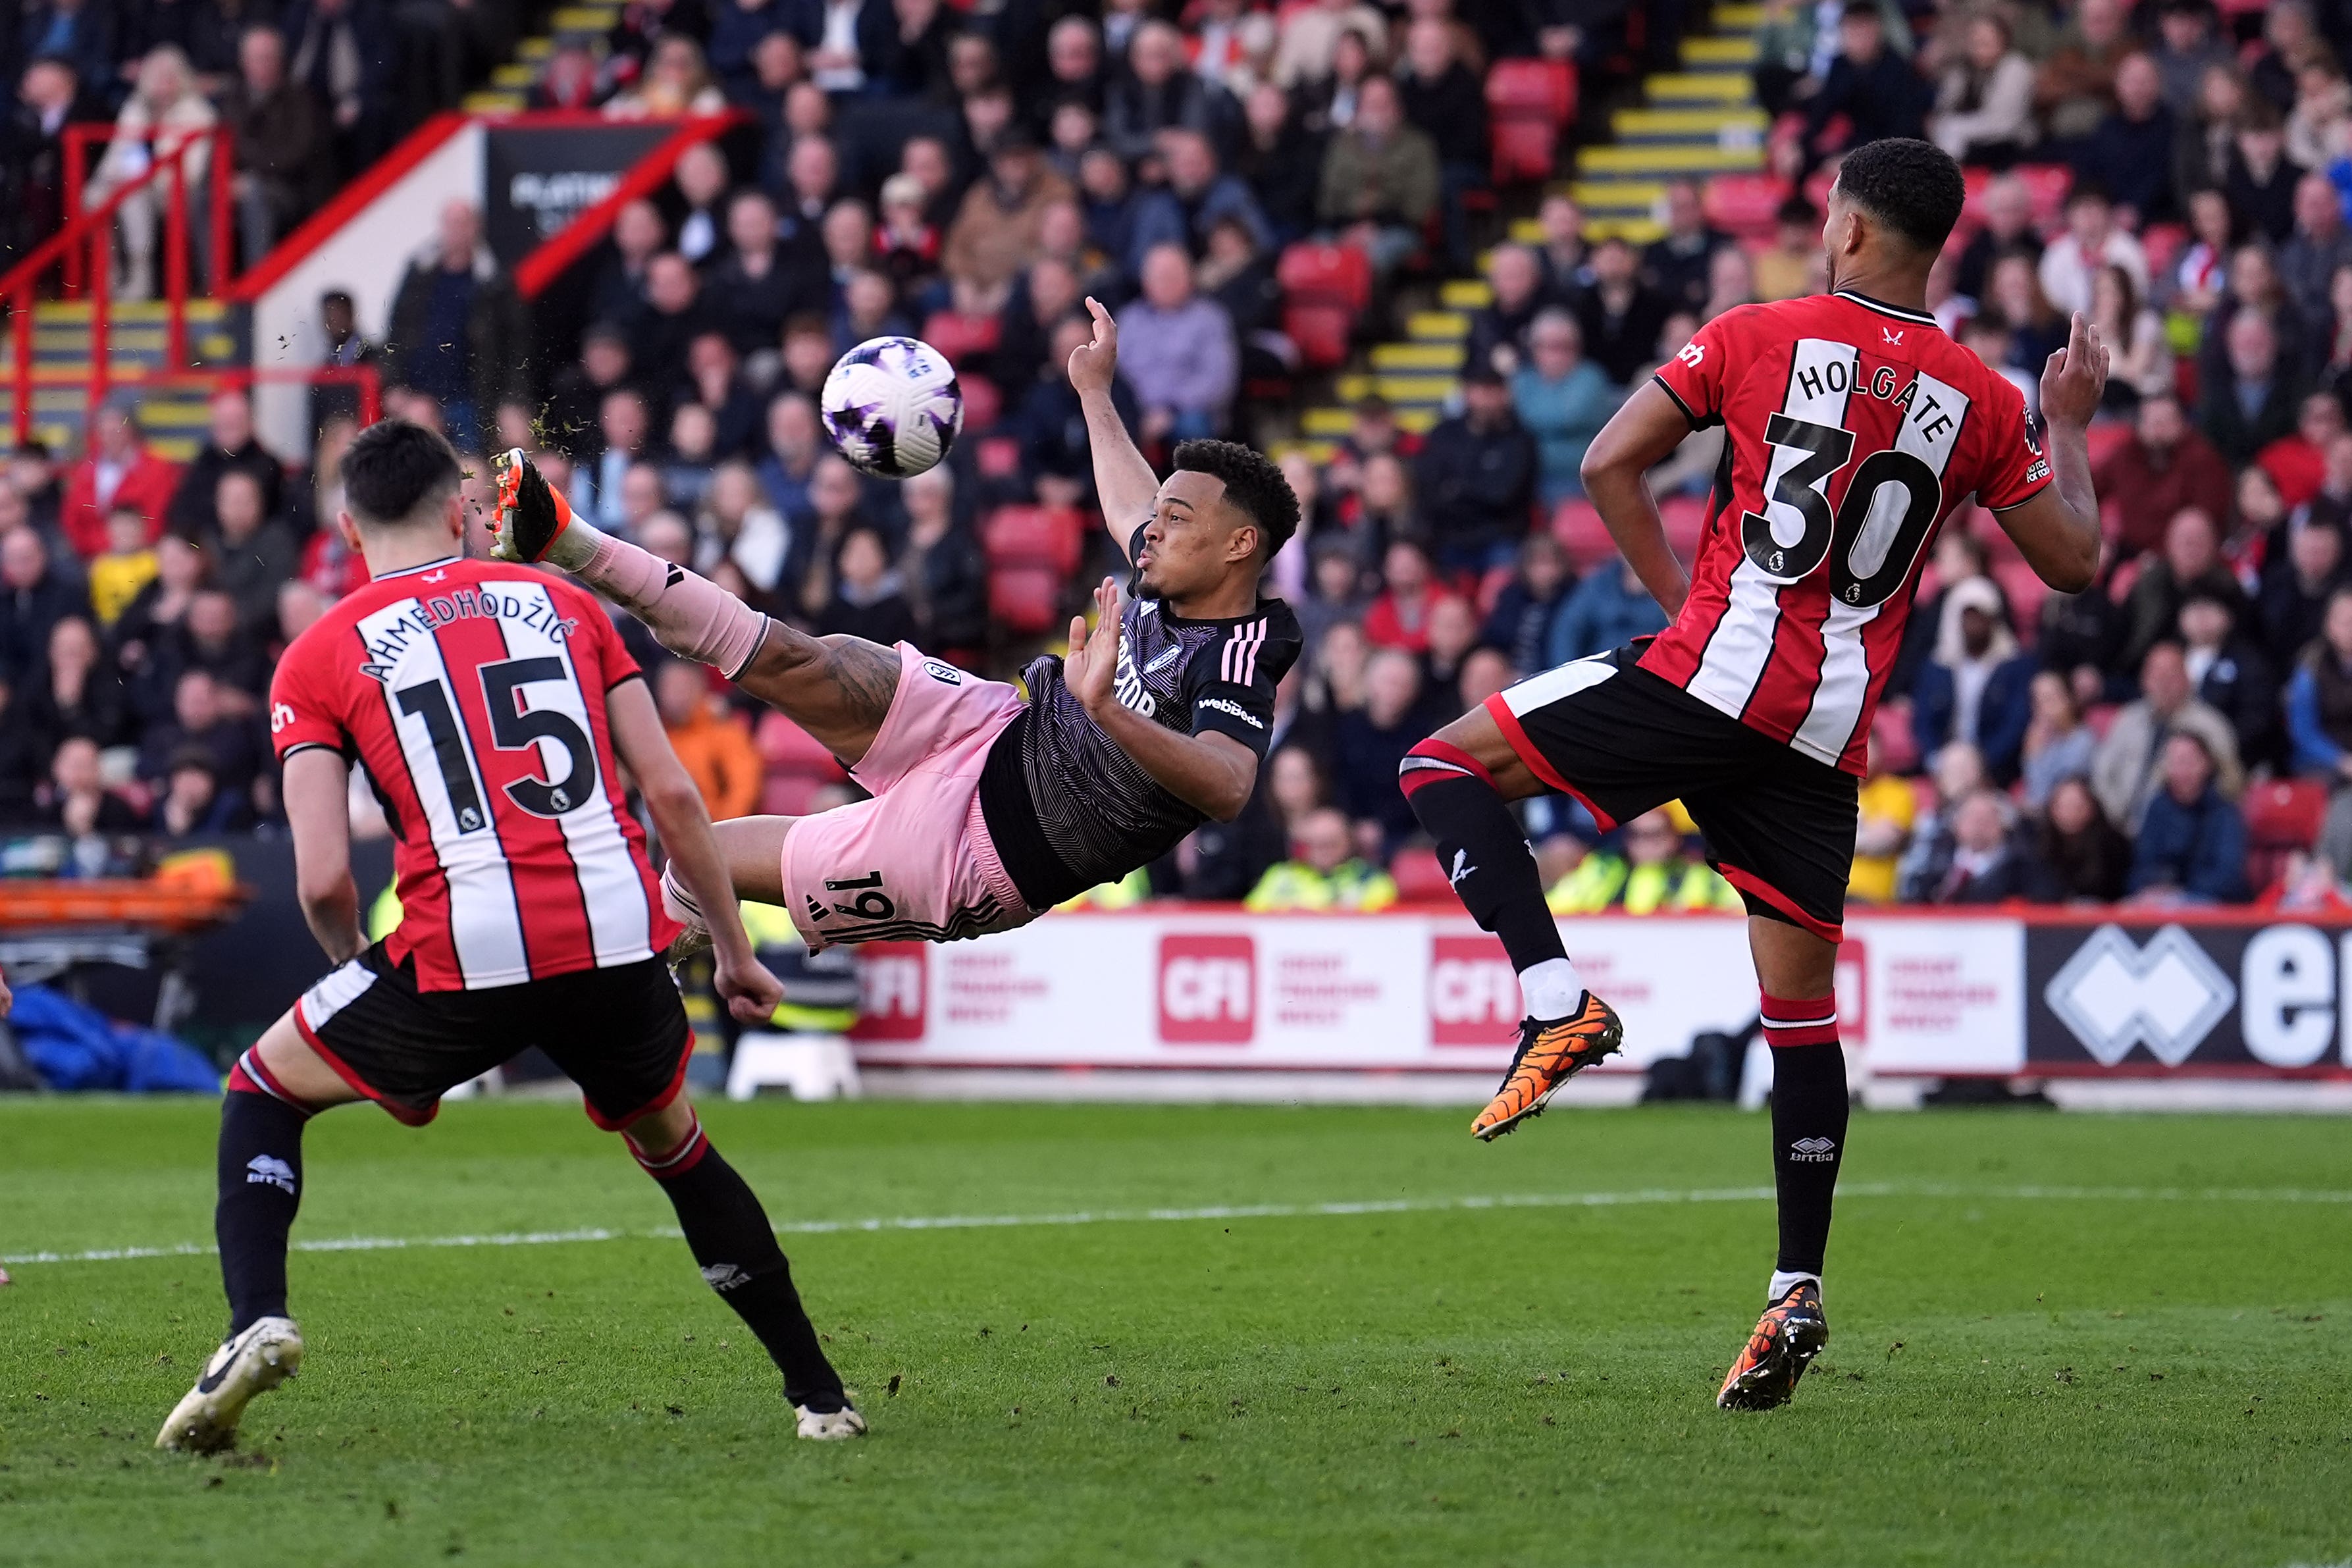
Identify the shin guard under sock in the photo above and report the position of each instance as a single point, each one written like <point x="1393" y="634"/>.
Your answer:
<point x="1809" y="1124"/>
<point x="731" y="1239"/>
<point x="261" y="1174"/>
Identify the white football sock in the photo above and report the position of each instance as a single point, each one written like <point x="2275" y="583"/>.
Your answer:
<point x="1550" y="989"/>
<point x="1784" y="1283"/>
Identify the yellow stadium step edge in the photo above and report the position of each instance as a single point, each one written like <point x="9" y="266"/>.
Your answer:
<point x="1671" y="161"/>
<point x="1437" y="326"/>
<point x="1718" y="125"/>
<point x="1465" y="294"/>
<point x="1708" y="86"/>
<point x="1417" y="357"/>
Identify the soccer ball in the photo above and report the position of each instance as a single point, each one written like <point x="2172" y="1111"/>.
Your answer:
<point x="892" y="407"/>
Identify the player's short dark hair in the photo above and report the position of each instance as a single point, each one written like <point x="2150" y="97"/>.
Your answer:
<point x="1914" y="187"/>
<point x="392" y="469"/>
<point x="1253" y="483"/>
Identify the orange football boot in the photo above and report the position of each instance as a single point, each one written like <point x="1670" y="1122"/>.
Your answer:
<point x="1791" y="1332"/>
<point x="1549" y="1055"/>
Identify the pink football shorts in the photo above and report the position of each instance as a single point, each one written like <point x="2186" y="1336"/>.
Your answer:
<point x="915" y="863"/>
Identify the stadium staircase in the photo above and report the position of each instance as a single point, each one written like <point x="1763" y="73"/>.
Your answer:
<point x="1700" y="121"/>
<point x="172" y="408"/>
<point x="510" y="86"/>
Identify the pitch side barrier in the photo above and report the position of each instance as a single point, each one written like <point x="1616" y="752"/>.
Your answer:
<point x="2058" y="994"/>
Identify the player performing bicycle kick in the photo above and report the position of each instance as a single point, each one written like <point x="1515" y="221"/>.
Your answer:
<point x="1854" y="426"/>
<point x="988" y="809"/>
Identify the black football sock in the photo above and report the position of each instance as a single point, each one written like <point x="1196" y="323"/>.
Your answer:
<point x="1809" y="1124"/>
<point x="1487" y="858"/>
<point x="260" y="1188"/>
<point x="731" y="1239"/>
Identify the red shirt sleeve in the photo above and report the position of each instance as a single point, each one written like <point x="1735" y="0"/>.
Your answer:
<point x="2015" y="469"/>
<point x="302" y="708"/>
<point x="1695" y="376"/>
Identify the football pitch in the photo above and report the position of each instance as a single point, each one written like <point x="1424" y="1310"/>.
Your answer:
<point x="1199" y="1335"/>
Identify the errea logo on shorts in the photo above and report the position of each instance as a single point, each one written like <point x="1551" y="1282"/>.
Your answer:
<point x="1208" y="990"/>
<point x="270" y="1172"/>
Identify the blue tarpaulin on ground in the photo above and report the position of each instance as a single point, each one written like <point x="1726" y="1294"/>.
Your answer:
<point x="76" y="1048"/>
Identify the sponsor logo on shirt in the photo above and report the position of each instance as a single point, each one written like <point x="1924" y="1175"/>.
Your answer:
<point x="1224" y="705"/>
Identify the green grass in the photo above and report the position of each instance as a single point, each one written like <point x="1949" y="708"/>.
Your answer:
<point x="2015" y="1376"/>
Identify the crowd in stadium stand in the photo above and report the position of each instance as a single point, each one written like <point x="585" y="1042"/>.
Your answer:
<point x="2174" y="735"/>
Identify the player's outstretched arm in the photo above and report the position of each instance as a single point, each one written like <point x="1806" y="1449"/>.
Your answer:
<point x="1210" y="772"/>
<point x="1125" y="483"/>
<point x="317" y="810"/>
<point x="751" y="991"/>
<point x="1639" y="437"/>
<point x="2057" y="530"/>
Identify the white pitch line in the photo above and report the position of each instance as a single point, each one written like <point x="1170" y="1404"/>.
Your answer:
<point x="1256" y="1211"/>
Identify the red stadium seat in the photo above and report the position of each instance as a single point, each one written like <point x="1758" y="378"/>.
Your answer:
<point x="1528" y="103"/>
<point x="1685" y="520"/>
<point x="2285" y="814"/>
<point x="1024" y="600"/>
<point x="1534" y="90"/>
<point x="2101" y="718"/>
<point x="1049" y="537"/>
<point x="2048" y="184"/>
<point x="997" y="457"/>
<point x="2163" y="242"/>
<point x="1577" y="526"/>
<point x="2025" y="590"/>
<point x="960" y="336"/>
<point x="1420" y="876"/>
<point x="797" y="766"/>
<point x="2106" y="436"/>
<point x="982" y="403"/>
<point x="1324" y="288"/>
<point x="1976" y="180"/>
<point x="1746" y="205"/>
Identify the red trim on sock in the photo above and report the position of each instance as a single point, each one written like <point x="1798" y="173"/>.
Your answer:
<point x="1538" y="763"/>
<point x="1807" y="1021"/>
<point x="1749" y="882"/>
<point x="1446" y="752"/>
<point x="249" y="1076"/>
<point x="679" y="1160"/>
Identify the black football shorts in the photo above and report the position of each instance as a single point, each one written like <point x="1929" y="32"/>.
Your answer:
<point x="1779" y="825"/>
<point x="620" y="1033"/>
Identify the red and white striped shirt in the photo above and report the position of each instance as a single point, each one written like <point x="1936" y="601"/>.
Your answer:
<point x="473" y="693"/>
<point x="1852" y="430"/>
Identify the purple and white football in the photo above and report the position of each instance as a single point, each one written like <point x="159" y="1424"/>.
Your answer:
<point x="892" y="407"/>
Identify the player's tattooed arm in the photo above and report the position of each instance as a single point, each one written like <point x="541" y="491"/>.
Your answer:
<point x="838" y="688"/>
<point x="1129" y="488"/>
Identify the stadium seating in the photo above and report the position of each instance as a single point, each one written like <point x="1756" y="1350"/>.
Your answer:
<point x="1325" y="288"/>
<point x="1577" y="526"/>
<point x="1420" y="876"/>
<point x="797" y="766"/>
<point x="1746" y="206"/>
<point x="2282" y="815"/>
<point x="1527" y="104"/>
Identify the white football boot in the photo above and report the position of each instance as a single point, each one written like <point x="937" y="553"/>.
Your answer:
<point x="830" y="1425"/>
<point x="256" y="1360"/>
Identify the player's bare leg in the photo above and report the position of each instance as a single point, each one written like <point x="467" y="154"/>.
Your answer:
<point x="274" y="1089"/>
<point x="1797" y="972"/>
<point x="754" y="850"/>
<point x="838" y="688"/>
<point x="735" y="1247"/>
<point x="1459" y="783"/>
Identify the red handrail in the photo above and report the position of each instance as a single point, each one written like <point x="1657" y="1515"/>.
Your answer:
<point x="91" y="234"/>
